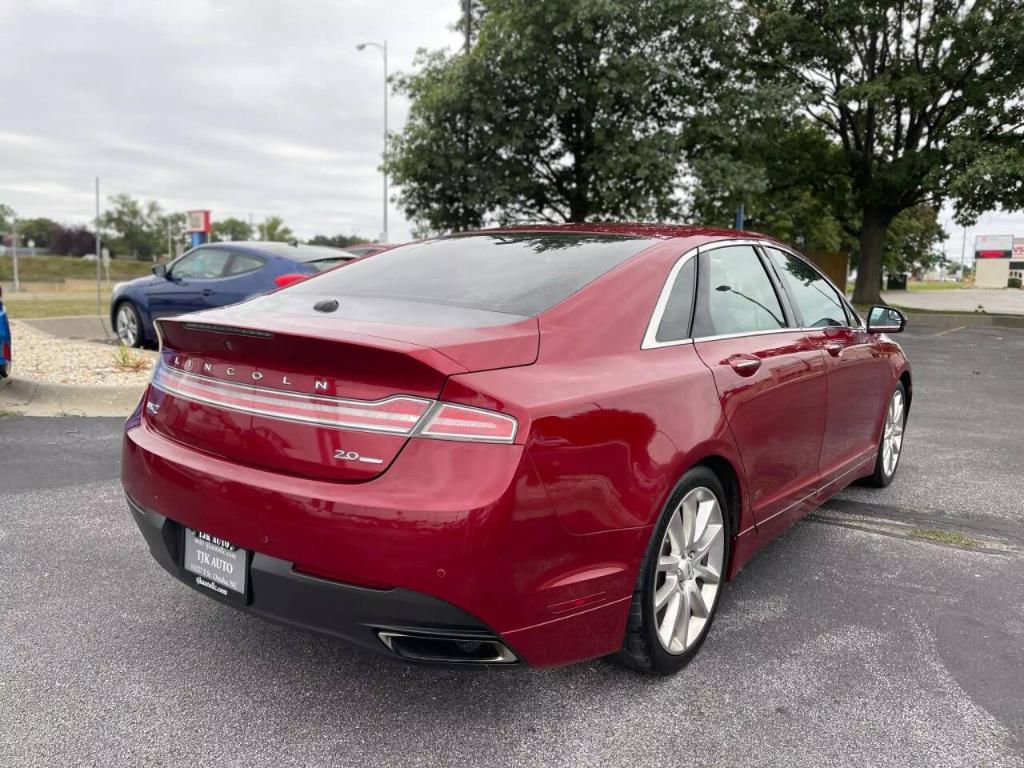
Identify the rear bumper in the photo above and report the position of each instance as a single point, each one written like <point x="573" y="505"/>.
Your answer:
<point x="281" y="594"/>
<point x="453" y="536"/>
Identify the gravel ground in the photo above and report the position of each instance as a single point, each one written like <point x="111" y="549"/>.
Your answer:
<point x="42" y="357"/>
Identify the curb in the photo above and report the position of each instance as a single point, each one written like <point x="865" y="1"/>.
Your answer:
<point x="920" y="319"/>
<point x="37" y="398"/>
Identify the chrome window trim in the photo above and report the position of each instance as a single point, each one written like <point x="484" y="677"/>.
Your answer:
<point x="650" y="340"/>
<point x="769" y="332"/>
<point x="651" y="335"/>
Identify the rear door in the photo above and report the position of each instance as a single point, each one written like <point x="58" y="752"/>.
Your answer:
<point x="770" y="378"/>
<point x="856" y="373"/>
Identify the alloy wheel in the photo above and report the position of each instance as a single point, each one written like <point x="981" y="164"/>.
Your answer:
<point x="892" y="434"/>
<point x="127" y="326"/>
<point x="689" y="573"/>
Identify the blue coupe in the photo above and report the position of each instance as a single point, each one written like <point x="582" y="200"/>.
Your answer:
<point x="210" y="276"/>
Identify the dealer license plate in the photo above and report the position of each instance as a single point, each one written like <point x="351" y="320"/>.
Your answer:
<point x="218" y="565"/>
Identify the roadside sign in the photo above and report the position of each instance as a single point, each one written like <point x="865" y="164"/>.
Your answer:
<point x="198" y="221"/>
<point x="993" y="246"/>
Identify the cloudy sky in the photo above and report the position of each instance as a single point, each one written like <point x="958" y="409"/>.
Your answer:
<point x="251" y="107"/>
<point x="259" y="107"/>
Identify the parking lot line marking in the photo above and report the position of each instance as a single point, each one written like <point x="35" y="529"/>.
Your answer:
<point x="951" y="330"/>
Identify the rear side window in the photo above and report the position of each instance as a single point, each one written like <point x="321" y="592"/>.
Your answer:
<point x="675" y="320"/>
<point x="819" y="303"/>
<point x="521" y="274"/>
<point x="740" y="296"/>
<point x="242" y="263"/>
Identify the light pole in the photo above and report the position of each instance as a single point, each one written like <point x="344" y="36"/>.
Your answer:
<point x="383" y="48"/>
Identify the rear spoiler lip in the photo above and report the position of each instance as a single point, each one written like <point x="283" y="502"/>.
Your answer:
<point x="460" y="355"/>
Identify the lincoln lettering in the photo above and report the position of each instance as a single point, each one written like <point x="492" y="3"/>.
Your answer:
<point x="230" y="371"/>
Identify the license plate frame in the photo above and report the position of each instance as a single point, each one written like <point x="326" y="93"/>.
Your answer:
<point x="215" y="565"/>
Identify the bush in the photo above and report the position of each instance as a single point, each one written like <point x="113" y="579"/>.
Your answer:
<point x="1013" y="282"/>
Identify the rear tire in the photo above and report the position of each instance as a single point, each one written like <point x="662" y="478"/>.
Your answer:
<point x="890" y="443"/>
<point x="657" y="641"/>
<point x="128" y="325"/>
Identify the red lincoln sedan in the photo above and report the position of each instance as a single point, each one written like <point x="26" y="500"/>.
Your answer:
<point x="530" y="444"/>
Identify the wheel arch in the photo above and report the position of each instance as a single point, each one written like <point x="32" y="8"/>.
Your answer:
<point x="729" y="478"/>
<point x="907" y="386"/>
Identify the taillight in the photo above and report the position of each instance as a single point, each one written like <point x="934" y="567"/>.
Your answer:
<point x="295" y="277"/>
<point x="460" y="422"/>
<point x="5" y="353"/>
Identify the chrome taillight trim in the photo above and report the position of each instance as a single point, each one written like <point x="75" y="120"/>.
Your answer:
<point x="263" y="396"/>
<point x="183" y="384"/>
<point x="432" y="415"/>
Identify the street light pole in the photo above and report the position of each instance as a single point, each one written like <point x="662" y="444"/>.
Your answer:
<point x="383" y="48"/>
<point x="14" y="253"/>
<point x="99" y="253"/>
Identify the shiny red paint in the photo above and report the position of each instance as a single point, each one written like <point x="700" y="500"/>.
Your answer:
<point x="540" y="539"/>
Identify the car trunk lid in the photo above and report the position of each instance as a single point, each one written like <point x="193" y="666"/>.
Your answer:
<point x="313" y="395"/>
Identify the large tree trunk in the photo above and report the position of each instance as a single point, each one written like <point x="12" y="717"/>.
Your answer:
<point x="868" y="288"/>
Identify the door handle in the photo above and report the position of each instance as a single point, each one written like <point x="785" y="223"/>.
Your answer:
<point x="745" y="365"/>
<point x="207" y="292"/>
<point x="834" y="348"/>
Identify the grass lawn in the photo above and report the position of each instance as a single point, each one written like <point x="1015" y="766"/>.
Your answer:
<point x="55" y="304"/>
<point x="56" y="269"/>
<point x="932" y="286"/>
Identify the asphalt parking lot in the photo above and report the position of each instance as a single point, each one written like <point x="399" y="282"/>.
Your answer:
<point x="885" y="630"/>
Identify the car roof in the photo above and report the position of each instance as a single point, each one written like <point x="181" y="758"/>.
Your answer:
<point x="290" y="250"/>
<point x="628" y="229"/>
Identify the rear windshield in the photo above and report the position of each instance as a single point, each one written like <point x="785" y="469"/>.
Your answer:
<point x="520" y="274"/>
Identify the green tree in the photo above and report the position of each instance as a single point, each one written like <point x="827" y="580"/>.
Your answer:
<point x="230" y="229"/>
<point x="781" y="169"/>
<point x="134" y="227"/>
<point x="337" y="241"/>
<point x="7" y="218"/>
<point x="912" y="241"/>
<point x="273" y="228"/>
<point x="562" y="110"/>
<point x="922" y="100"/>
<point x="39" y="230"/>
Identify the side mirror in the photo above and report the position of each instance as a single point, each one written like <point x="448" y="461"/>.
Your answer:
<point x="886" y="320"/>
<point x="160" y="270"/>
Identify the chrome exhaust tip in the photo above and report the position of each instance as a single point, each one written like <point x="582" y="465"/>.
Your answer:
<point x="447" y="649"/>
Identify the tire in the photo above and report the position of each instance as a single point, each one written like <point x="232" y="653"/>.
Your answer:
<point x="644" y="648"/>
<point x="128" y="325"/>
<point x="892" y="436"/>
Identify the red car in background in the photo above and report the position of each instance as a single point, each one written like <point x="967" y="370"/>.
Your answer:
<point x="535" y="444"/>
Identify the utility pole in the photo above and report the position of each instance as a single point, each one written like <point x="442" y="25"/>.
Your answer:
<point x="169" y="245"/>
<point x="466" y="22"/>
<point x="14" y="253"/>
<point x="383" y="48"/>
<point x="99" y="255"/>
<point x="738" y="224"/>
